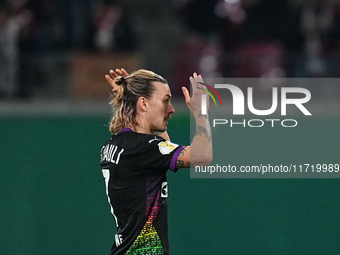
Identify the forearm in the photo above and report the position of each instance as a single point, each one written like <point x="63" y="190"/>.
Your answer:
<point x="201" y="145"/>
<point x="199" y="152"/>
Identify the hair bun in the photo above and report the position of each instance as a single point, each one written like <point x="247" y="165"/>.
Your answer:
<point x="121" y="80"/>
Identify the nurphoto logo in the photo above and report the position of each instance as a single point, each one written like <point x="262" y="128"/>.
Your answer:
<point x="204" y="97"/>
<point x="238" y="98"/>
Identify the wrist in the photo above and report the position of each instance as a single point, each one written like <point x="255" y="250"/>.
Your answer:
<point x="198" y="114"/>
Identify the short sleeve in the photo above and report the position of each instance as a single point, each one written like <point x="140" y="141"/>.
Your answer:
<point x="159" y="156"/>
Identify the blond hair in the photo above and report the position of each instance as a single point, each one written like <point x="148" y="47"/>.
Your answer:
<point x="137" y="84"/>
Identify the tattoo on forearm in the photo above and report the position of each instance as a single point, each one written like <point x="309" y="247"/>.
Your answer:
<point x="202" y="130"/>
<point x="179" y="164"/>
<point x="182" y="152"/>
<point x="200" y="115"/>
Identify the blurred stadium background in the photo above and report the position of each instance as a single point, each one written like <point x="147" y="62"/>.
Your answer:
<point x="54" y="113"/>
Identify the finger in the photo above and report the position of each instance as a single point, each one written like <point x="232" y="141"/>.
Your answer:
<point x="110" y="80"/>
<point x="193" y="83"/>
<point x="200" y="81"/>
<point x="112" y="83"/>
<point x="107" y="77"/>
<point x="186" y="95"/>
<point x="113" y="74"/>
<point x="124" y="72"/>
<point x="194" y="75"/>
<point x="118" y="72"/>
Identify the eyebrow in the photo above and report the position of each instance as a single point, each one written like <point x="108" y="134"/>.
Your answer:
<point x="168" y="96"/>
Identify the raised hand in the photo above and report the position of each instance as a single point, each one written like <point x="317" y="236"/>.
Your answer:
<point x="194" y="103"/>
<point x="199" y="153"/>
<point x="113" y="74"/>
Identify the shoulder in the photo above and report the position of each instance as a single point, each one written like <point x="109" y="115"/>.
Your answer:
<point x="142" y="142"/>
<point x="153" y="143"/>
<point x="135" y="140"/>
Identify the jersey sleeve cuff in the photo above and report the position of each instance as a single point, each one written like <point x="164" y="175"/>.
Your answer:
<point x="174" y="159"/>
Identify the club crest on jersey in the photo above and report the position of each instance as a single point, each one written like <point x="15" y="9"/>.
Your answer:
<point x="166" y="147"/>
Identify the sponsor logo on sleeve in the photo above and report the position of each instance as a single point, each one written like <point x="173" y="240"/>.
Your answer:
<point x="167" y="147"/>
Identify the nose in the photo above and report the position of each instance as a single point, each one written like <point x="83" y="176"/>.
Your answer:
<point x="171" y="109"/>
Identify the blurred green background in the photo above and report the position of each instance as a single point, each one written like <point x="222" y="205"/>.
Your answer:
<point x="53" y="199"/>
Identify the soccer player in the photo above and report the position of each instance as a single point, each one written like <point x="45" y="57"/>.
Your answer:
<point x="136" y="157"/>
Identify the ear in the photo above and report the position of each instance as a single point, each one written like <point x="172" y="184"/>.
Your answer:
<point x="142" y="104"/>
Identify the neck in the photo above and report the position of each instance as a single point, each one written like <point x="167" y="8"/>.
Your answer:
<point x="142" y="126"/>
<point x="143" y="129"/>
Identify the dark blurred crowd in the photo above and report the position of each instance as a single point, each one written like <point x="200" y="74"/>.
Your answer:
<point x="33" y="28"/>
<point x="260" y="38"/>
<point x="221" y="38"/>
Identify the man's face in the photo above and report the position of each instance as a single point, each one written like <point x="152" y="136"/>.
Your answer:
<point x="160" y="108"/>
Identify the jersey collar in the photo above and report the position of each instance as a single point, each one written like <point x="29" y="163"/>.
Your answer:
<point x="125" y="130"/>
